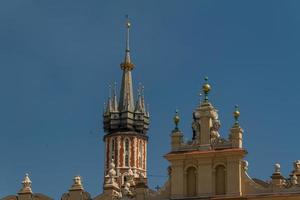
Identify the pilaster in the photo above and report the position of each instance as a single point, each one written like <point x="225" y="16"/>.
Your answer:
<point x="205" y="178"/>
<point x="177" y="188"/>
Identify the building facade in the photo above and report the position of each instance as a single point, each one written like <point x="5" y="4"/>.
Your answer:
<point x="207" y="166"/>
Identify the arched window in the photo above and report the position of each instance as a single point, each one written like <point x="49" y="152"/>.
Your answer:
<point x="191" y="182"/>
<point x="220" y="180"/>
<point x="126" y="152"/>
<point x="113" y="146"/>
<point x="140" y="154"/>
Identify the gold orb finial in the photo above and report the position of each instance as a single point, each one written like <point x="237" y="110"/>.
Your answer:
<point x="236" y="114"/>
<point x="206" y="88"/>
<point x="176" y="119"/>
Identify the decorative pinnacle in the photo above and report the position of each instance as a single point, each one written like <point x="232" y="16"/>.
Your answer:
<point x="206" y="88"/>
<point x="77" y="183"/>
<point x="26" y="185"/>
<point x="115" y="88"/>
<point x="109" y="90"/>
<point x="236" y="115"/>
<point x="176" y="119"/>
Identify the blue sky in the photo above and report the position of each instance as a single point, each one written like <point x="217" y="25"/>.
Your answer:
<point x="57" y="59"/>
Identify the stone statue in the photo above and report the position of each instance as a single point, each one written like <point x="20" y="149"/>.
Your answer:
<point x="129" y="177"/>
<point x="196" y="130"/>
<point x="127" y="189"/>
<point x="294" y="180"/>
<point x="77" y="180"/>
<point x="297" y="166"/>
<point x="111" y="173"/>
<point x="245" y="165"/>
<point x="214" y="132"/>
<point x="77" y="184"/>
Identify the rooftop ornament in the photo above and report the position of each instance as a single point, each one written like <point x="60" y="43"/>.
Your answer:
<point x="236" y="115"/>
<point x="176" y="120"/>
<point x="26" y="185"/>
<point x="206" y="89"/>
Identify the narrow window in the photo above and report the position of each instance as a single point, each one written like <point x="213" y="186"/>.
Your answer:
<point x="220" y="180"/>
<point x="112" y="149"/>
<point x="126" y="152"/>
<point x="191" y="182"/>
<point x="140" y="154"/>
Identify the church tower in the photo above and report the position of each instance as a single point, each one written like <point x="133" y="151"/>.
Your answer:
<point x="125" y="123"/>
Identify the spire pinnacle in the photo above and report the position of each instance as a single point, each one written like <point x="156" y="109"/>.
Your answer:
<point x="114" y="98"/>
<point x="139" y="106"/>
<point x="109" y="102"/>
<point x="127" y="64"/>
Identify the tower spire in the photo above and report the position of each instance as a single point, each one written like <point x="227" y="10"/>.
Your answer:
<point x="126" y="101"/>
<point x="127" y="64"/>
<point x="126" y="124"/>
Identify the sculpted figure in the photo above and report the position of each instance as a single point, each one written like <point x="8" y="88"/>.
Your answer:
<point x="111" y="173"/>
<point x="297" y="166"/>
<point x="77" y="180"/>
<point x="196" y="130"/>
<point x="294" y="180"/>
<point x="130" y="177"/>
<point x="126" y="191"/>
<point x="214" y="132"/>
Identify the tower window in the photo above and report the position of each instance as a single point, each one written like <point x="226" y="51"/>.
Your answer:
<point x="126" y="152"/>
<point x="140" y="154"/>
<point x="112" y="149"/>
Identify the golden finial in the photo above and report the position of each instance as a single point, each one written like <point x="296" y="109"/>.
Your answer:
<point x="176" y="119"/>
<point x="206" y="88"/>
<point x="236" y="114"/>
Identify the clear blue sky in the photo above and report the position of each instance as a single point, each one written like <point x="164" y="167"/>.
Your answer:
<point x="58" y="57"/>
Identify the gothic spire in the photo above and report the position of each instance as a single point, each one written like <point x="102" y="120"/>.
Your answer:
<point x="114" y="100"/>
<point x="126" y="102"/>
<point x="109" y="101"/>
<point x="138" y="105"/>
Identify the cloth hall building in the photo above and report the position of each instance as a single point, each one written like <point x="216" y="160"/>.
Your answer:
<point x="206" y="167"/>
